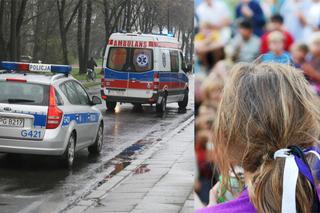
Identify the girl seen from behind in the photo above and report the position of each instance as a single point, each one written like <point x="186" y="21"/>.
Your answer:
<point x="268" y="124"/>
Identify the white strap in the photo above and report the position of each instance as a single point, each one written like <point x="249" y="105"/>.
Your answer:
<point x="281" y="153"/>
<point x="290" y="176"/>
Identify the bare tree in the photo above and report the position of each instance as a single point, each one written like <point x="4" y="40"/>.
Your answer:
<point x="64" y="27"/>
<point x="11" y="20"/>
<point x="2" y="40"/>
<point x="83" y="49"/>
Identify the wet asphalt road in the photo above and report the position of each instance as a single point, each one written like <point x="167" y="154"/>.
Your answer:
<point x="38" y="184"/>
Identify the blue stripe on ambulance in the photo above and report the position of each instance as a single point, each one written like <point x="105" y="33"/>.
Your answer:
<point x="184" y="77"/>
<point x="143" y="76"/>
<point x="123" y="75"/>
<point x="119" y="75"/>
<point x="83" y="118"/>
<point x="165" y="76"/>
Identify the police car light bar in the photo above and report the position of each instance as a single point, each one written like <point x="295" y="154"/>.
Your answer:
<point x="32" y="67"/>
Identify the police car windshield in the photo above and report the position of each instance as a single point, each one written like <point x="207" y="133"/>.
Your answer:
<point x="23" y="93"/>
<point x="130" y="59"/>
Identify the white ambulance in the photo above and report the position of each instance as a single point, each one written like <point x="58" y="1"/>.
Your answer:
<point x="144" y="69"/>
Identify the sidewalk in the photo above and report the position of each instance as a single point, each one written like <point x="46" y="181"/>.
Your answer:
<point x="162" y="182"/>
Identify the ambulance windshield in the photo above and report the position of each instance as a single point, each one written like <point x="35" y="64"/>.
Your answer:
<point x="130" y="59"/>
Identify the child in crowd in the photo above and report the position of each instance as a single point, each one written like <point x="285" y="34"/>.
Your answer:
<point x="298" y="53"/>
<point x="269" y="138"/>
<point x="276" y="24"/>
<point x="245" y="45"/>
<point x="277" y="53"/>
<point x="212" y="90"/>
<point x="312" y="66"/>
<point x="203" y="182"/>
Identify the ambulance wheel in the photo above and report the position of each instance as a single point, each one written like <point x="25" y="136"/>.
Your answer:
<point x="111" y="105"/>
<point x="97" y="146"/>
<point x="161" y="108"/>
<point x="69" y="154"/>
<point x="183" y="104"/>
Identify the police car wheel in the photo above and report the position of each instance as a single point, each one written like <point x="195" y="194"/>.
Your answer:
<point x="183" y="104"/>
<point x="111" y="105"/>
<point x="161" y="108"/>
<point x="69" y="154"/>
<point x="97" y="146"/>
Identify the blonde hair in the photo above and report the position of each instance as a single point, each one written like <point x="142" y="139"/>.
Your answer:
<point x="265" y="107"/>
<point x="275" y="36"/>
<point x="214" y="83"/>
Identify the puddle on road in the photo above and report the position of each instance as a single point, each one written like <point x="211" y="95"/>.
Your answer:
<point x="125" y="158"/>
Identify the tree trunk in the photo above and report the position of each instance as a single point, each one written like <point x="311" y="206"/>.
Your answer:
<point x="13" y="34"/>
<point x="87" y="35"/>
<point x="18" y="28"/>
<point x="3" y="51"/>
<point x="36" y="29"/>
<point x="79" y="36"/>
<point x="64" y="27"/>
<point x="168" y="16"/>
<point x="63" y="36"/>
<point x="128" y="16"/>
<point x="84" y="52"/>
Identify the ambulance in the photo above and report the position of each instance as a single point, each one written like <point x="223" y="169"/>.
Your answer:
<point x="144" y="69"/>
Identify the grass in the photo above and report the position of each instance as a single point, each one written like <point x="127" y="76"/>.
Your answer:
<point x="89" y="84"/>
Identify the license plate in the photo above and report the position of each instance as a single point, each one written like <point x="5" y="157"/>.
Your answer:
<point x="11" y="122"/>
<point x="116" y="92"/>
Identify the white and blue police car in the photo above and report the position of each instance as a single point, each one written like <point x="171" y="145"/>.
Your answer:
<point x="45" y="111"/>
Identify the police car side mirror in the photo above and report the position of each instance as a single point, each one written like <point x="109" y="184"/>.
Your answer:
<point x="96" y="100"/>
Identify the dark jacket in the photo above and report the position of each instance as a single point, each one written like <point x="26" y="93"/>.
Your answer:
<point x="258" y="19"/>
<point x="92" y="64"/>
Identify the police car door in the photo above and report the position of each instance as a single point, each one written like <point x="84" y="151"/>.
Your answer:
<point x="76" y="112"/>
<point x="89" y="116"/>
<point x="141" y="73"/>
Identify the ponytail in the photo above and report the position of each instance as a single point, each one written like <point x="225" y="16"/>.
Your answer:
<point x="266" y="189"/>
<point x="271" y="188"/>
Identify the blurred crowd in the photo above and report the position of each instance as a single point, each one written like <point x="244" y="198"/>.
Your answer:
<point x="253" y="31"/>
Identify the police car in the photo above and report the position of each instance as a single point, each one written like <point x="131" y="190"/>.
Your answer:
<point x="144" y="69"/>
<point x="43" y="110"/>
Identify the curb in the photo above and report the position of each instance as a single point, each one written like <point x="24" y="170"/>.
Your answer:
<point x="100" y="192"/>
